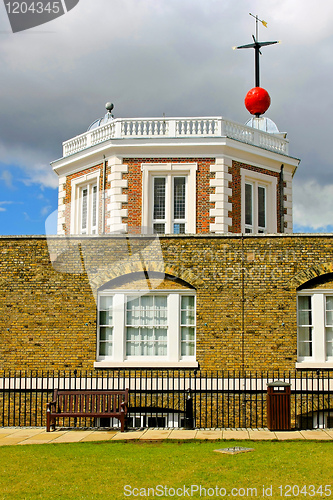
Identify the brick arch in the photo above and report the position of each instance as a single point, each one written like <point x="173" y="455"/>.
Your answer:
<point x="119" y="270"/>
<point x="309" y="274"/>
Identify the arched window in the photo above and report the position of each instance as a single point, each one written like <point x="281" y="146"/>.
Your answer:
<point x="146" y="322"/>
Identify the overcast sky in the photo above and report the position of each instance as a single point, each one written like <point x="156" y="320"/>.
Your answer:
<point x="151" y="57"/>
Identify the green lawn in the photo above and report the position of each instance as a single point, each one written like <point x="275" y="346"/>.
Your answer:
<point x="118" y="470"/>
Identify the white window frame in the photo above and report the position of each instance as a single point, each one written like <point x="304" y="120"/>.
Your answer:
<point x="270" y="184"/>
<point x="119" y="357"/>
<point x="319" y="359"/>
<point x="87" y="181"/>
<point x="169" y="171"/>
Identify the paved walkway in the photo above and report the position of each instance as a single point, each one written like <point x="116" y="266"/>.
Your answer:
<point x="38" y="435"/>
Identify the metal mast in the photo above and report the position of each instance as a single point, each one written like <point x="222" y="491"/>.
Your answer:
<point x="256" y="46"/>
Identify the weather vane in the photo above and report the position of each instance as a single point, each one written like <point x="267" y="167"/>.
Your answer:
<point x="257" y="100"/>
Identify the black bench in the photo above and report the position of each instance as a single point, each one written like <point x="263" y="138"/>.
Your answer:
<point x="87" y="403"/>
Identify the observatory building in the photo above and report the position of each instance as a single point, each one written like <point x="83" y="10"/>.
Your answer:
<point x="176" y="176"/>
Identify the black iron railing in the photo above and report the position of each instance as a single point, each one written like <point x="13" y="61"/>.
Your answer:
<point x="173" y="398"/>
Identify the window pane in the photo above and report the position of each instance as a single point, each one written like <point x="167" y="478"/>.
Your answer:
<point x="105" y="303"/>
<point x="187" y="302"/>
<point x="161" y="334"/>
<point x="305" y="334"/>
<point x="147" y="334"/>
<point x="329" y="342"/>
<point x="188" y="333"/>
<point x="187" y="349"/>
<point x="105" y="318"/>
<point x="329" y="303"/>
<point x="305" y="341"/>
<point x="160" y="311"/>
<point x="94" y="205"/>
<point x="105" y="349"/>
<point x="304" y="310"/>
<point x="159" y="228"/>
<point x="159" y="198"/>
<point x="132" y="334"/>
<point x="179" y="198"/>
<point x="178" y="228"/>
<point x="248" y="204"/>
<point x="187" y="310"/>
<point x="133" y="349"/>
<point x="161" y="349"/>
<point x="305" y="350"/>
<point x="105" y="333"/>
<point x="84" y="208"/>
<point x="261" y="207"/>
<point x="329" y="311"/>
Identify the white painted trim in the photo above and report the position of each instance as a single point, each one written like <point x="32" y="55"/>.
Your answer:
<point x="146" y="364"/>
<point x="76" y="185"/>
<point x="168" y="170"/>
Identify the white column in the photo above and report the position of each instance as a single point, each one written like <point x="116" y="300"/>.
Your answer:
<point x="115" y="195"/>
<point x="288" y="203"/>
<point x="61" y="206"/>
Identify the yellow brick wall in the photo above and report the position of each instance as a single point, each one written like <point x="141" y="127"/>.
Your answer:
<point x="246" y="295"/>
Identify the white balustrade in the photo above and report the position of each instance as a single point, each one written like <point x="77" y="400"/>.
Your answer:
<point x="177" y="128"/>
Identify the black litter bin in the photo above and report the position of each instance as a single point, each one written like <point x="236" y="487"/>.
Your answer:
<point x="278" y="406"/>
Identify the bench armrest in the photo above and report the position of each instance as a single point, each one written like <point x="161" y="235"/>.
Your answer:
<point x="124" y="407"/>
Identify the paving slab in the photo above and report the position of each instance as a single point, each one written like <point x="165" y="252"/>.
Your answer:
<point x="72" y="436"/>
<point x="155" y="434"/>
<point x="11" y="430"/>
<point x="261" y="435"/>
<point x="100" y="436"/>
<point x="5" y="434"/>
<point x="285" y="435"/>
<point x="235" y="434"/>
<point x="329" y="432"/>
<point x="208" y="434"/>
<point x="30" y="431"/>
<point x="130" y="435"/>
<point x="316" y="434"/>
<point x="17" y="437"/>
<point x="182" y="434"/>
<point x="42" y="438"/>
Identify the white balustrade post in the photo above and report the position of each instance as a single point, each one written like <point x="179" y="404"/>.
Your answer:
<point x="171" y="131"/>
<point x="117" y="129"/>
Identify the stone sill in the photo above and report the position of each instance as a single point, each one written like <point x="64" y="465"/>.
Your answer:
<point x="305" y="365"/>
<point x="146" y="364"/>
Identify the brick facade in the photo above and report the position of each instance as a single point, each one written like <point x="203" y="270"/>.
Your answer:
<point x="245" y="287"/>
<point x="205" y="191"/>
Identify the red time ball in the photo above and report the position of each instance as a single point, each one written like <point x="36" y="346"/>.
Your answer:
<point x="257" y="101"/>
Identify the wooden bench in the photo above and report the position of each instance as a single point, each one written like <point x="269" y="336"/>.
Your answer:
<point x="87" y="403"/>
